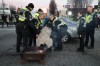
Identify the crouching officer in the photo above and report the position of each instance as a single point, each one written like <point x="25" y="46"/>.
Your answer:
<point x="22" y="27"/>
<point x="81" y="31"/>
<point x="62" y="28"/>
<point x="54" y="22"/>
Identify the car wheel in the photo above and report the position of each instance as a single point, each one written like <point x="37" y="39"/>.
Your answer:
<point x="66" y="38"/>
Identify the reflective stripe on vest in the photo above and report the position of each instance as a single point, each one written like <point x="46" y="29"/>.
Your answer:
<point x="55" y="20"/>
<point x="89" y="18"/>
<point x="22" y="17"/>
<point x="38" y="24"/>
<point x="36" y="15"/>
<point x="62" y="23"/>
<point x="81" y="19"/>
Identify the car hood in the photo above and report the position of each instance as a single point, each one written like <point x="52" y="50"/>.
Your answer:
<point x="70" y="23"/>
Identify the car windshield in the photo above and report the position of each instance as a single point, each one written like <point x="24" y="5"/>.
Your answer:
<point x="69" y="22"/>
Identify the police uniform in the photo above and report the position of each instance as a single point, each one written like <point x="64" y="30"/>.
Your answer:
<point x="22" y="28"/>
<point x="81" y="32"/>
<point x="36" y="15"/>
<point x="55" y="35"/>
<point x="32" y="33"/>
<point x="90" y="28"/>
<point x="62" y="27"/>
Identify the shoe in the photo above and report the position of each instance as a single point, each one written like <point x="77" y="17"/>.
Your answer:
<point x="45" y="47"/>
<point x="85" y="45"/>
<point x="90" y="47"/>
<point x="49" y="49"/>
<point x="42" y="46"/>
<point x="18" y="51"/>
<point x="58" y="49"/>
<point x="79" y="50"/>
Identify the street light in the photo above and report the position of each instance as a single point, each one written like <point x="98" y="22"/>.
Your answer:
<point x="69" y="13"/>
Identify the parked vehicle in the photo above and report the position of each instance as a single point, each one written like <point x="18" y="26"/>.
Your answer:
<point x="71" y="31"/>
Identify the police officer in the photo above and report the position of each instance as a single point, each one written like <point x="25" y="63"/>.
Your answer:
<point x="37" y="14"/>
<point x="54" y="22"/>
<point x="34" y="33"/>
<point x="62" y="28"/>
<point x="90" y="27"/>
<point x="81" y="31"/>
<point x="22" y="27"/>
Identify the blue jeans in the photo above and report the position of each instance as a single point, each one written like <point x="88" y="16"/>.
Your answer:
<point x="56" y="37"/>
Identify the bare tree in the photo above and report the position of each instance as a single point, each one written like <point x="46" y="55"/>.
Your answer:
<point x="12" y="7"/>
<point x="88" y="2"/>
<point x="71" y="2"/>
<point x="52" y="7"/>
<point x="3" y="4"/>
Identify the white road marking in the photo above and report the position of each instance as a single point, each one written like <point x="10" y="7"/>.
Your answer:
<point x="6" y="29"/>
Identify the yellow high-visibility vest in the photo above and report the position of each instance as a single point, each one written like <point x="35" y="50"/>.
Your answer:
<point x="36" y="15"/>
<point x="89" y="18"/>
<point x="38" y="24"/>
<point x="22" y="17"/>
<point x="55" y="20"/>
<point x="62" y="23"/>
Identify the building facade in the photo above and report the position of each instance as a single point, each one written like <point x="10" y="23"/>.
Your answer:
<point x="79" y="3"/>
<point x="6" y="11"/>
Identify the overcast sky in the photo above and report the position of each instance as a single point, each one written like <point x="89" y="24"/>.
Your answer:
<point x="37" y="3"/>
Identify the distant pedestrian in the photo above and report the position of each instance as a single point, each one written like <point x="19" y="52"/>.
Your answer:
<point x="4" y="19"/>
<point x="99" y="19"/>
<point x="11" y="20"/>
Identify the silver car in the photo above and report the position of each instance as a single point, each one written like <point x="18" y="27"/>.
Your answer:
<point x="71" y="31"/>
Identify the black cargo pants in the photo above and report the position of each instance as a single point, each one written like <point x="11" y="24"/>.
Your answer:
<point x="22" y="33"/>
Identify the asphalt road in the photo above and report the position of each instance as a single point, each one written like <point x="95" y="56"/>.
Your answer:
<point x="7" y="38"/>
<point x="67" y="57"/>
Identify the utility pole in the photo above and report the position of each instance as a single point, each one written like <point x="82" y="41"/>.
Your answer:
<point x="99" y="5"/>
<point x="3" y="6"/>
